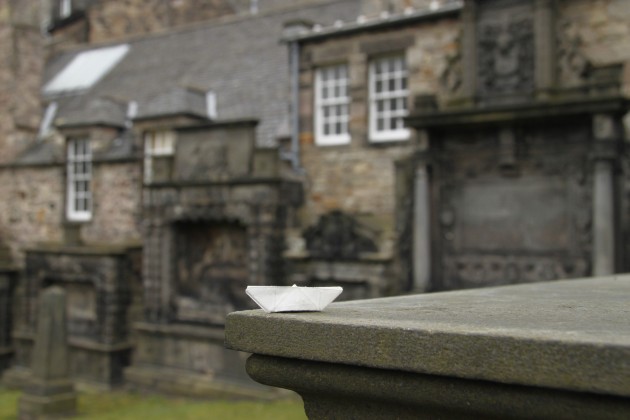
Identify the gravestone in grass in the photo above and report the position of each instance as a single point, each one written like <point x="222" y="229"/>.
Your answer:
<point x="49" y="392"/>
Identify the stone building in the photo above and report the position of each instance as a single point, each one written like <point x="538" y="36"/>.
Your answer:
<point x="155" y="163"/>
<point x="476" y="143"/>
<point x="158" y="187"/>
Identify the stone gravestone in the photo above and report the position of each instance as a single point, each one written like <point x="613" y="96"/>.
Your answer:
<point x="49" y="392"/>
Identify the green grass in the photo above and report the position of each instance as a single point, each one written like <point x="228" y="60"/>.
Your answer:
<point x="123" y="406"/>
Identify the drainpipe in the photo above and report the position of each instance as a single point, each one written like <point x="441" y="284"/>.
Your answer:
<point x="295" y="106"/>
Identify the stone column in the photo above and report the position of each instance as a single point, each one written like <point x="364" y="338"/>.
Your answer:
<point x="49" y="392"/>
<point x="469" y="51"/>
<point x="605" y="137"/>
<point x="545" y="42"/>
<point x="421" y="231"/>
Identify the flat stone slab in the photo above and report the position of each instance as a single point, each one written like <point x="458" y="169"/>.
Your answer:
<point x="572" y="334"/>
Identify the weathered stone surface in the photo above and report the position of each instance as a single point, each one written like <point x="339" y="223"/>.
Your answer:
<point x="22" y="47"/>
<point x="341" y="391"/>
<point x="49" y="391"/>
<point x="190" y="360"/>
<point x="571" y="335"/>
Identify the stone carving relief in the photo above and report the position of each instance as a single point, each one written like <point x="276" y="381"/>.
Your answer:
<point x="211" y="275"/>
<point x="451" y="76"/>
<point x="505" y="53"/>
<point x="573" y="66"/>
<point x="338" y="236"/>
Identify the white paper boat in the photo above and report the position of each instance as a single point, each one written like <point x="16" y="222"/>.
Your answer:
<point x="292" y="298"/>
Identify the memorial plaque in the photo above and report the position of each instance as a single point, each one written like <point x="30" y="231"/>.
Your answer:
<point x="522" y="214"/>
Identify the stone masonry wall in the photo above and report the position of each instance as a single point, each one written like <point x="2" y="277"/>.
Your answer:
<point x="21" y="49"/>
<point x="596" y="31"/>
<point x="359" y="178"/>
<point x="110" y="19"/>
<point x="117" y="204"/>
<point x="31" y="207"/>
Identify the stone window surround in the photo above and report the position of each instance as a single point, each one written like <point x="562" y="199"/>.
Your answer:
<point x="74" y="176"/>
<point x="366" y="53"/>
<point x="157" y="143"/>
<point x="333" y="101"/>
<point x="65" y="8"/>
<point x="400" y="92"/>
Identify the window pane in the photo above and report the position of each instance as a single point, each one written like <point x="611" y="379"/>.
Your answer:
<point x="332" y="100"/>
<point x="389" y="96"/>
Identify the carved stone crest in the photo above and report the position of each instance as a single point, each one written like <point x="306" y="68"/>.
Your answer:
<point x="573" y="66"/>
<point x="338" y="236"/>
<point x="506" y="53"/>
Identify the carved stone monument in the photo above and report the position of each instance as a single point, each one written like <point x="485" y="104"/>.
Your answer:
<point x="49" y="392"/>
<point x="102" y="286"/>
<point x="212" y="227"/>
<point x="521" y="164"/>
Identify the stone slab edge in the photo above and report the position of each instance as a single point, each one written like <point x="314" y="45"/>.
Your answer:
<point x="533" y="358"/>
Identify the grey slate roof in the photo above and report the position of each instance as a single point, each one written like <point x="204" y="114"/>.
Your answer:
<point x="241" y="59"/>
<point x="176" y="100"/>
<point x="91" y="111"/>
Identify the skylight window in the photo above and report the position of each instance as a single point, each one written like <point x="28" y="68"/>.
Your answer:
<point x="86" y="69"/>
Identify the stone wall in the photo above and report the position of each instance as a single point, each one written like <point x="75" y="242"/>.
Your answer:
<point x="31" y="206"/>
<point x="359" y="178"/>
<point x="32" y="209"/>
<point x="115" y="19"/>
<point x="117" y="203"/>
<point x="595" y="32"/>
<point x="21" y="47"/>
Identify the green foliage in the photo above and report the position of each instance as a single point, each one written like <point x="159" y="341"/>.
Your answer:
<point x="127" y="406"/>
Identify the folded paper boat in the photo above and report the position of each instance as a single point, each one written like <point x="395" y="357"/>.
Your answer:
<point x="292" y="298"/>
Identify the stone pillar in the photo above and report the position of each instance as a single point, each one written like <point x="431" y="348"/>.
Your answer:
<point x="545" y="42"/>
<point x="605" y="136"/>
<point x="469" y="51"/>
<point x="49" y="392"/>
<point x="421" y="231"/>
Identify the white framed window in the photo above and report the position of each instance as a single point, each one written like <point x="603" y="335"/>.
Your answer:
<point x="79" y="178"/>
<point x="65" y="8"/>
<point x="159" y="145"/>
<point x="389" y="94"/>
<point x="332" y="105"/>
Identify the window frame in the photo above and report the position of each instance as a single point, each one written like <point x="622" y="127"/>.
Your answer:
<point x="167" y="148"/>
<point x="321" y="138"/>
<point x="65" y="8"/>
<point x="79" y="170"/>
<point x="400" y="93"/>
